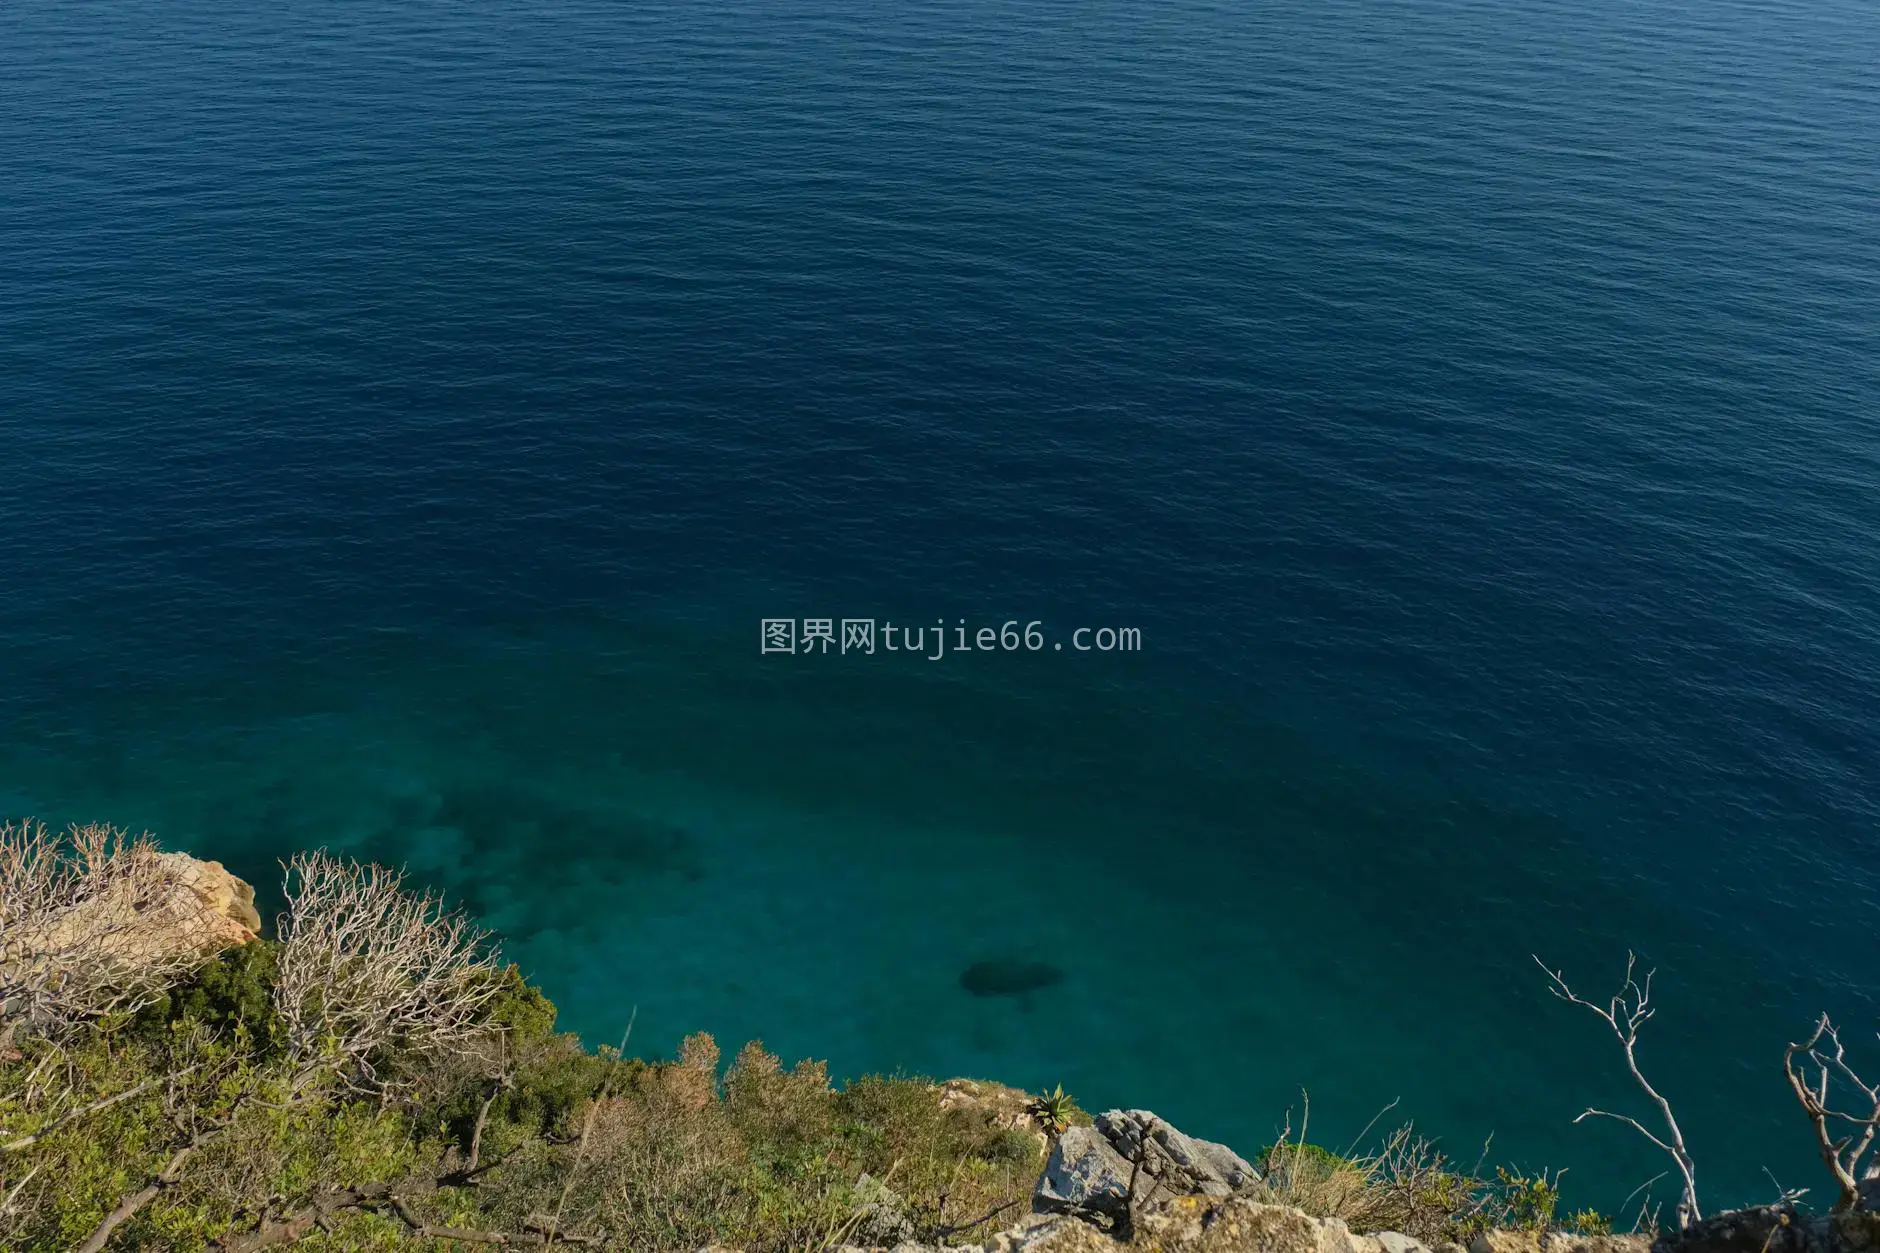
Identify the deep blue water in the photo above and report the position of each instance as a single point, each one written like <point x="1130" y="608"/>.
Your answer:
<point x="408" y="411"/>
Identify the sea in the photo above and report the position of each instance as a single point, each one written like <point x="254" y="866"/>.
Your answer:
<point x="1386" y="489"/>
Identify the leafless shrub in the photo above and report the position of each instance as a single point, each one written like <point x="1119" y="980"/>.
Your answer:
<point x="92" y="922"/>
<point x="1627" y="1011"/>
<point x="364" y="965"/>
<point x="1842" y="1153"/>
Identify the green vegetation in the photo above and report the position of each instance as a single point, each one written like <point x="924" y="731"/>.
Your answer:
<point x="1053" y="1111"/>
<point x="373" y="1078"/>
<point x="525" y="1132"/>
<point x="1406" y="1184"/>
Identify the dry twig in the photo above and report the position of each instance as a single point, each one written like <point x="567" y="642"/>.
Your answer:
<point x="1841" y="1154"/>
<point x="365" y="965"/>
<point x="91" y="924"/>
<point x="1625" y="1013"/>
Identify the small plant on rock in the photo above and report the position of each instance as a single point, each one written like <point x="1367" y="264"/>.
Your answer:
<point x="1053" y="1111"/>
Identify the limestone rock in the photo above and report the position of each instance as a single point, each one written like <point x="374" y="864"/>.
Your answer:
<point x="227" y="904"/>
<point x="1083" y="1174"/>
<point x="1398" y="1242"/>
<point x="163" y="905"/>
<point x="1556" y="1242"/>
<point x="1506" y="1242"/>
<point x="1183" y="1165"/>
<point x="1563" y="1242"/>
<point x="993" y="1104"/>
<point x="1048" y="1233"/>
<point x="881" y="1215"/>
<point x="1201" y="1224"/>
<point x="1238" y="1224"/>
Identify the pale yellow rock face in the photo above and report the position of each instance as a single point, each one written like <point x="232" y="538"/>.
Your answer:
<point x="227" y="903"/>
<point x="177" y="906"/>
<point x="1506" y="1242"/>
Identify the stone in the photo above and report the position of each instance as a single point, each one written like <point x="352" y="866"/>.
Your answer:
<point x="1506" y="1242"/>
<point x="881" y="1216"/>
<point x="1183" y="1165"/>
<point x="228" y="902"/>
<point x="993" y="1104"/>
<point x="1084" y="1174"/>
<point x="1201" y="1224"/>
<point x="164" y="905"/>
<point x="1556" y="1242"/>
<point x="1398" y="1242"/>
<point x="1567" y="1242"/>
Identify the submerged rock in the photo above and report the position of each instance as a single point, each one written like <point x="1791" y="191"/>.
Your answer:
<point x="1009" y="977"/>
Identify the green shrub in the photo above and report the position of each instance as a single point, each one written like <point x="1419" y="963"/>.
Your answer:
<point x="1304" y="1159"/>
<point x="1527" y="1201"/>
<point x="230" y="995"/>
<point x="520" y="1008"/>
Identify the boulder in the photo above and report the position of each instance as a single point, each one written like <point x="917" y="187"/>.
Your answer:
<point x="1238" y="1224"/>
<point x="1398" y="1242"/>
<point x="1566" y="1242"/>
<point x="1083" y="1175"/>
<point x="225" y="903"/>
<point x="157" y="907"/>
<point x="881" y="1216"/>
<point x="1183" y="1165"/>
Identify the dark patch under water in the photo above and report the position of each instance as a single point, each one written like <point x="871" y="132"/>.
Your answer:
<point x="1005" y="977"/>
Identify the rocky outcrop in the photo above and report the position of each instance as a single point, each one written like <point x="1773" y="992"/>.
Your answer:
<point x="992" y="1105"/>
<point x="881" y="1216"/>
<point x="1776" y="1229"/>
<point x="109" y="928"/>
<point x="1183" y="1165"/>
<point x="1198" y="1224"/>
<point x="1084" y="1175"/>
<point x="1091" y="1169"/>
<point x="148" y="908"/>
<point x="1555" y="1242"/>
<point x="223" y="905"/>
<point x="1204" y="1224"/>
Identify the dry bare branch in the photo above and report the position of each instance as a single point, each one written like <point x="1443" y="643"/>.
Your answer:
<point x="364" y="965"/>
<point x="92" y="922"/>
<point x="127" y="1207"/>
<point x="10" y="1214"/>
<point x="1627" y="1011"/>
<point x="1841" y="1154"/>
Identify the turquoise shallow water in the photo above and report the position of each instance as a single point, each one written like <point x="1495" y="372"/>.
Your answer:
<point x="410" y="411"/>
